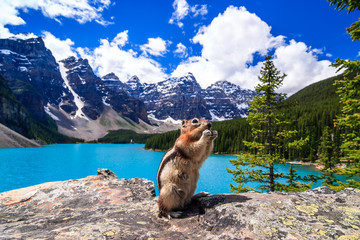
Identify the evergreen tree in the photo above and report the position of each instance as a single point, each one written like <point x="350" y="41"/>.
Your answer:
<point x="294" y="184"/>
<point x="327" y="149"/>
<point x="349" y="91"/>
<point x="327" y="156"/>
<point x="270" y="138"/>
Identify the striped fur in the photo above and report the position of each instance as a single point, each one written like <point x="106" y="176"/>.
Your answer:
<point x="178" y="172"/>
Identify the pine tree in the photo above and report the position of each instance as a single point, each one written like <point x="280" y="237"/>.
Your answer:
<point x="270" y="138"/>
<point x="294" y="184"/>
<point x="328" y="157"/>
<point x="349" y="91"/>
<point x="327" y="149"/>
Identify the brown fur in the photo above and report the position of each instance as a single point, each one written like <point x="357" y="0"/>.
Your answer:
<point x="178" y="172"/>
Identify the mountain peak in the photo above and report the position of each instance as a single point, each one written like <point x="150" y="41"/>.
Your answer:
<point x="110" y="77"/>
<point x="134" y="79"/>
<point x="189" y="77"/>
<point x="24" y="36"/>
<point x="189" y="74"/>
<point x="223" y="83"/>
<point x="227" y="87"/>
<point x="69" y="59"/>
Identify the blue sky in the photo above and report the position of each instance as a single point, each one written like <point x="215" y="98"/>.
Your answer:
<point x="215" y="40"/>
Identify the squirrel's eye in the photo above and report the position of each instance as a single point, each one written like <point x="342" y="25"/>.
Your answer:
<point x="195" y="121"/>
<point x="183" y="123"/>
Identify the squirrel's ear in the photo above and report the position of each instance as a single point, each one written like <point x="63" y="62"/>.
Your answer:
<point x="183" y="123"/>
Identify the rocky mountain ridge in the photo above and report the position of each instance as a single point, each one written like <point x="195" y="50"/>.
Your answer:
<point x="32" y="74"/>
<point x="183" y="97"/>
<point x="69" y="91"/>
<point x="106" y="207"/>
<point x="82" y="104"/>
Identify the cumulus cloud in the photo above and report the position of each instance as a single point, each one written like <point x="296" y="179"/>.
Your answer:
<point x="232" y="45"/>
<point x="111" y="57"/>
<point x="121" y="39"/>
<point x="80" y="10"/>
<point x="181" y="50"/>
<point x="183" y="9"/>
<point x="302" y="66"/>
<point x="155" y="46"/>
<point x="60" y="49"/>
<point x="199" y="10"/>
<point x="229" y="44"/>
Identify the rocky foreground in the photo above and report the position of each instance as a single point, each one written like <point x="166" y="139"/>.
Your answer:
<point x="106" y="207"/>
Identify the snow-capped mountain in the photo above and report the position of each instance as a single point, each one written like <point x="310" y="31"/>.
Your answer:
<point x="32" y="73"/>
<point x="70" y="92"/>
<point x="183" y="98"/>
<point x="66" y="91"/>
<point x="227" y="100"/>
<point x="113" y="82"/>
<point x="178" y="98"/>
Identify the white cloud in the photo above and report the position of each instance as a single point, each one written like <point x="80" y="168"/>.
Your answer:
<point x="235" y="38"/>
<point x="183" y="9"/>
<point x="80" y="10"/>
<point x="228" y="47"/>
<point x="111" y="57"/>
<point x="199" y="10"/>
<point x="155" y="46"/>
<point x="121" y="39"/>
<point x="181" y="50"/>
<point x="60" y="49"/>
<point x="4" y="32"/>
<point x="302" y="66"/>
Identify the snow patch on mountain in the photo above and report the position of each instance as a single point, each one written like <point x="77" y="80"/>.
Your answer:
<point x="79" y="104"/>
<point x="216" y="118"/>
<point x="169" y="120"/>
<point x="183" y="98"/>
<point x="48" y="111"/>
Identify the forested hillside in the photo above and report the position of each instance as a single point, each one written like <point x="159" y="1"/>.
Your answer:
<point x="309" y="111"/>
<point x="14" y="115"/>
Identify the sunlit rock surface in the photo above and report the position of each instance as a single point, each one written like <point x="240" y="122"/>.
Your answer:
<point x="106" y="207"/>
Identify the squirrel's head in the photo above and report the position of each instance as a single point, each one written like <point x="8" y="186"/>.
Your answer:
<point x="195" y="127"/>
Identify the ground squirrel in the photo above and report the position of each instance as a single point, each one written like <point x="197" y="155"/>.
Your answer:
<point x="178" y="172"/>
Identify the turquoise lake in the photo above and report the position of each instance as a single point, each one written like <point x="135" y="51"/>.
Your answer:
<point x="22" y="167"/>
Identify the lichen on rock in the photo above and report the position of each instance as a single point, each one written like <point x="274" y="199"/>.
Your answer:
<point x="106" y="207"/>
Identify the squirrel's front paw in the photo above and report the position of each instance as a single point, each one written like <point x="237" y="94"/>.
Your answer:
<point x="214" y="134"/>
<point x="210" y="134"/>
<point x="207" y="133"/>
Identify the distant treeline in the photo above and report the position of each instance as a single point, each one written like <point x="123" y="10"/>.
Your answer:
<point x="309" y="111"/>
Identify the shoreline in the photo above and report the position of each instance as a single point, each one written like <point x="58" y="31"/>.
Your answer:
<point x="316" y="165"/>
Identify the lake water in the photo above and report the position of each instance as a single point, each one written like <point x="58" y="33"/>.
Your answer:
<point x="22" y="167"/>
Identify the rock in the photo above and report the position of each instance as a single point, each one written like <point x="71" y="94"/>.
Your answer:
<point x="103" y="207"/>
<point x="106" y="173"/>
<point x="183" y="97"/>
<point x="227" y="100"/>
<point x="84" y="83"/>
<point x="32" y="74"/>
<point x="12" y="139"/>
